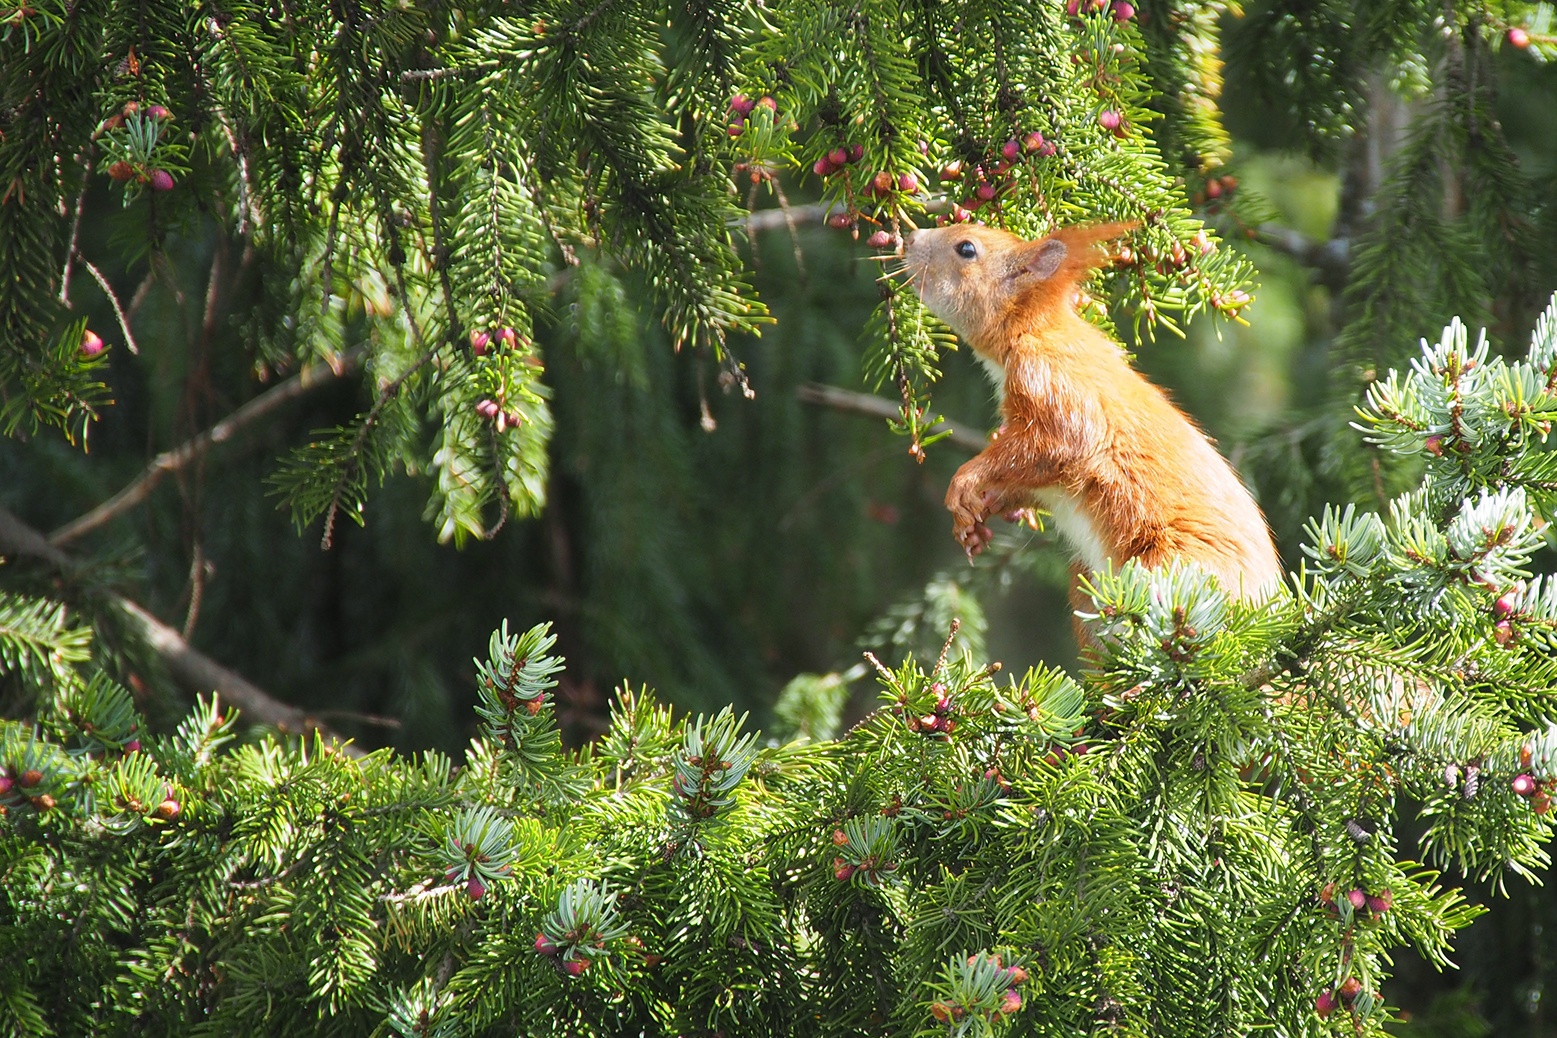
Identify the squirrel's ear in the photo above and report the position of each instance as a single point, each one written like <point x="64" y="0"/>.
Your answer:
<point x="1045" y="260"/>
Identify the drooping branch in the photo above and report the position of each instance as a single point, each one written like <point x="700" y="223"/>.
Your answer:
<point x="171" y="461"/>
<point x="194" y="671"/>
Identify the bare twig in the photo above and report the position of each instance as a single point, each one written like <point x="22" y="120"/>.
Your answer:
<point x="124" y="322"/>
<point x="880" y="407"/>
<point x="75" y="236"/>
<point x="1330" y="259"/>
<point x="191" y="669"/>
<point x="425" y="75"/>
<point x="172" y="461"/>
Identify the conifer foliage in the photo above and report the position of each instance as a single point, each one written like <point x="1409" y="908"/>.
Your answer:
<point x="1200" y="837"/>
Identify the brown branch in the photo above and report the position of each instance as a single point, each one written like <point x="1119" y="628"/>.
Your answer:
<point x="176" y="459"/>
<point x="124" y="322"/>
<point x="191" y="669"/>
<point x="880" y="407"/>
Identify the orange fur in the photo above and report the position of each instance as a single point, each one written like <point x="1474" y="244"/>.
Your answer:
<point x="1125" y="473"/>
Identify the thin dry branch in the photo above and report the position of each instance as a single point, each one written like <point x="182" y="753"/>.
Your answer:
<point x="880" y="407"/>
<point x="179" y="457"/>
<point x="194" y="671"/>
<point x="124" y="322"/>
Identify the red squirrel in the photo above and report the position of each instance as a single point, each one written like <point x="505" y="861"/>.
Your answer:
<point x="1124" y="473"/>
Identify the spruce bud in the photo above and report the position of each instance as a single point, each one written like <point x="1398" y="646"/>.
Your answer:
<point x="1524" y="785"/>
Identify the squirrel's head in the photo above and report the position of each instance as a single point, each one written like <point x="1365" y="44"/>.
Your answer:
<point x="987" y="283"/>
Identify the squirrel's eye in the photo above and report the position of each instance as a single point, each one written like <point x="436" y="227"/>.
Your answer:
<point x="967" y="250"/>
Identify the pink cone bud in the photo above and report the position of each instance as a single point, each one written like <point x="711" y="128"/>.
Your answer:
<point x="985" y="192"/>
<point x="952" y="171"/>
<point x="1011" y="150"/>
<point x="840" y="221"/>
<point x="545" y="945"/>
<point x="575" y="967"/>
<point x="907" y="183"/>
<point x="742" y="105"/>
<point x="767" y="102"/>
<point x="1433" y="445"/>
<point x="1524" y="785"/>
<point x="856" y="152"/>
<point x="1518" y="39"/>
<point x="1123" y="11"/>
<point x="823" y="167"/>
<point x="91" y="343"/>
<point x="159" y="112"/>
<point x="843" y="873"/>
<point x="1503" y="632"/>
<point x="1017" y="975"/>
<point x="879" y="240"/>
<point x="1350" y="988"/>
<point x="479" y="341"/>
<point x="475" y="888"/>
<point x="840" y="837"/>
<point x="882" y="183"/>
<point x="161" y="180"/>
<point x="736" y="129"/>
<point x="132" y="746"/>
<point x="1109" y="119"/>
<point x="1032" y="142"/>
<point x="1324" y="1005"/>
<point x="487" y="409"/>
<point x="1358" y="899"/>
<point x="838" y="156"/>
<point x="1504" y="607"/>
<point x="1381" y="902"/>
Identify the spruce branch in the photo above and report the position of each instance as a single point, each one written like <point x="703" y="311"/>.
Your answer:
<point x="172" y="461"/>
<point x="189" y="667"/>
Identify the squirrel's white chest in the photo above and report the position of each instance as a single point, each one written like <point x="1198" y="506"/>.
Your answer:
<point x="1071" y="518"/>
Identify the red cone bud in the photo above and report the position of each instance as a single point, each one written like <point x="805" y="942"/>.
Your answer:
<point x="767" y="102"/>
<point x="1358" y="899"/>
<point x="952" y="171"/>
<point x="1123" y="12"/>
<point x="985" y="192"/>
<point x="1017" y="975"/>
<point x="1350" y="988"/>
<point x="1213" y="188"/>
<point x="1032" y="142"/>
<point x="1541" y="802"/>
<point x="907" y="183"/>
<point x="841" y="221"/>
<point x="132" y="746"/>
<point x="131" y="107"/>
<point x="1324" y="1005"/>
<point x="161" y="180"/>
<point x="574" y="967"/>
<point x="856" y="152"/>
<point x="121" y="170"/>
<point x="91" y="343"/>
<point x="159" y="112"/>
<point x="843" y="873"/>
<point x="475" y="888"/>
<point x="940" y="1010"/>
<point x="1011" y="150"/>
<point x="545" y="945"/>
<point x="1503" y="632"/>
<point x="838" y="156"/>
<point x="1433" y="445"/>
<point x="1524" y="785"/>
<point x="1381" y="902"/>
<point x="736" y="129"/>
<point x="879" y="240"/>
<point x="1010" y="1003"/>
<point x="742" y="105"/>
<point x="822" y="167"/>
<point x="479" y="341"/>
<point x="5" y="784"/>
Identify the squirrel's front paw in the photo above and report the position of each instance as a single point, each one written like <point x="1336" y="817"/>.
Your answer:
<point x="970" y="503"/>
